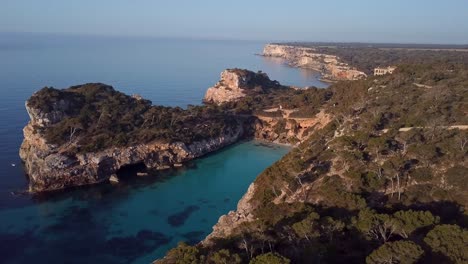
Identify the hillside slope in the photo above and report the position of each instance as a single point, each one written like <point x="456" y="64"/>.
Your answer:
<point x="385" y="181"/>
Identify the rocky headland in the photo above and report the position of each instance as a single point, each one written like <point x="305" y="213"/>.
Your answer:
<point x="237" y="83"/>
<point x="331" y="67"/>
<point x="75" y="137"/>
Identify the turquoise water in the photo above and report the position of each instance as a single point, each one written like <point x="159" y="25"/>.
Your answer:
<point x="137" y="220"/>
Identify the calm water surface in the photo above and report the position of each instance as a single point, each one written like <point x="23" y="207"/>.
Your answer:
<point x="138" y="220"/>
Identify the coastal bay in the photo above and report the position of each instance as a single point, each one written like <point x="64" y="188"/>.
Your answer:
<point x="35" y="223"/>
<point x="139" y="219"/>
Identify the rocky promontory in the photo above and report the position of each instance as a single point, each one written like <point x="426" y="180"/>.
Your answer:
<point x="330" y="66"/>
<point x="85" y="134"/>
<point x="237" y="83"/>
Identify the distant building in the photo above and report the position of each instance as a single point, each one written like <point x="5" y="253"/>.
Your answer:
<point x="383" y="71"/>
<point x="137" y="96"/>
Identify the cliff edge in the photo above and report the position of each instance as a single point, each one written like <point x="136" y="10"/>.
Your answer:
<point x="330" y="66"/>
<point x="237" y="83"/>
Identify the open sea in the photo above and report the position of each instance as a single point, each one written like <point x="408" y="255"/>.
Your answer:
<point x="139" y="219"/>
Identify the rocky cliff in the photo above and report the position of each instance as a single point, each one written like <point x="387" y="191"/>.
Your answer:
<point x="230" y="87"/>
<point x="53" y="163"/>
<point x="229" y="222"/>
<point x="286" y="129"/>
<point x="331" y="67"/>
<point x="50" y="169"/>
<point x="237" y="83"/>
<point x="267" y="119"/>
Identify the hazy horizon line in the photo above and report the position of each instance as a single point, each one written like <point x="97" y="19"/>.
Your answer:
<point x="214" y="38"/>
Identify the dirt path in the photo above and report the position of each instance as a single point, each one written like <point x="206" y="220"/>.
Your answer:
<point x="287" y="115"/>
<point x="406" y="129"/>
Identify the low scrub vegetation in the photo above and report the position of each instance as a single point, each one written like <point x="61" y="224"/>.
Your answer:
<point x="384" y="182"/>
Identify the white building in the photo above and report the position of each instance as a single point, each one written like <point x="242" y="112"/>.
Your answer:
<point x="383" y="71"/>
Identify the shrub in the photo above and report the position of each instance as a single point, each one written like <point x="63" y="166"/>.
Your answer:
<point x="450" y="240"/>
<point x="270" y="258"/>
<point x="404" y="252"/>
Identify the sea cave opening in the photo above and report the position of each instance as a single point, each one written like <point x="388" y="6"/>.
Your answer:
<point x="132" y="170"/>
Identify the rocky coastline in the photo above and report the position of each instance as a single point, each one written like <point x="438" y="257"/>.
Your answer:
<point x="59" y="165"/>
<point x="49" y="169"/>
<point x="331" y="67"/>
<point x="67" y="163"/>
<point x="359" y="168"/>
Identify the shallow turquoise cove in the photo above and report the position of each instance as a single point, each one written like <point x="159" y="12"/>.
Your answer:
<point x="137" y="220"/>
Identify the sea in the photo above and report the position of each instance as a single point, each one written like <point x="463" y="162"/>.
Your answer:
<point x="139" y="219"/>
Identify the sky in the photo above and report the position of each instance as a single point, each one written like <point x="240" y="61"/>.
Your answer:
<point x="389" y="21"/>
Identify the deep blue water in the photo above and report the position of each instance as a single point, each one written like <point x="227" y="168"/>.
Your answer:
<point x="138" y="220"/>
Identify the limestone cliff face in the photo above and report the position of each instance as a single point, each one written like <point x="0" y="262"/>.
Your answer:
<point x="287" y="129"/>
<point x="229" y="88"/>
<point x="51" y="167"/>
<point x="48" y="169"/>
<point x="330" y="66"/>
<point x="235" y="84"/>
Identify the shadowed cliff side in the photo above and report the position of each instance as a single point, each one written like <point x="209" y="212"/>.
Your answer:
<point x="84" y="134"/>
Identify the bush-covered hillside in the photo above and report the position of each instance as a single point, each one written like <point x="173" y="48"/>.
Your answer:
<point x="98" y="117"/>
<point x="384" y="182"/>
<point x="366" y="57"/>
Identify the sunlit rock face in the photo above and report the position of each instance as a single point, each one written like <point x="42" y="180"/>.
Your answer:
<point x="331" y="67"/>
<point x="237" y="83"/>
<point x="229" y="88"/>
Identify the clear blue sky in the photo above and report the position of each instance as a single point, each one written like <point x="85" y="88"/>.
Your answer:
<point x="423" y="21"/>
